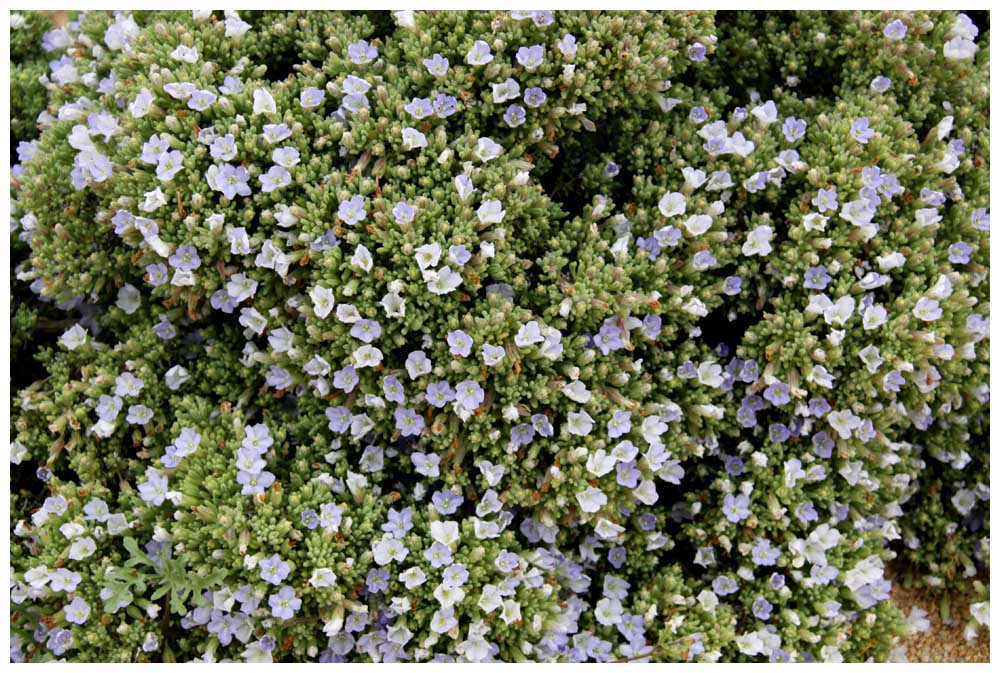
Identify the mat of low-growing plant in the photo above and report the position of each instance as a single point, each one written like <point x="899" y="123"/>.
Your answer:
<point x="496" y="336"/>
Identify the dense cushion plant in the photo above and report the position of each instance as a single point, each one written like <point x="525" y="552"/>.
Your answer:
<point x="517" y="336"/>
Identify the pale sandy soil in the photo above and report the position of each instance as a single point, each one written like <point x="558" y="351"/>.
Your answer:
<point x="942" y="642"/>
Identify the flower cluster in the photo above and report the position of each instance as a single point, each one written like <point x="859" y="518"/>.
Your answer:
<point x="499" y="336"/>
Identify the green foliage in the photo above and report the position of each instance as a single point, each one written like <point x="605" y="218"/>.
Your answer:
<point x="700" y="410"/>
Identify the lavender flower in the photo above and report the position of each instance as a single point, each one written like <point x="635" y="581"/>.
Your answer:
<point x="736" y="508"/>
<point x="860" y="130"/>
<point x="895" y="31"/>
<point x="284" y="604"/>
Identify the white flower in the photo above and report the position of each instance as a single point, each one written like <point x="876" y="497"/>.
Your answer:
<point x="693" y="177"/>
<point x="814" y="222"/>
<point x="917" y="622"/>
<point x="927" y="310"/>
<point x="853" y="472"/>
<point x="490" y="599"/>
<point x="925" y="217"/>
<point x="844" y="422"/>
<point x="129" y="299"/>
<point x="443" y="281"/>
<point x="964" y="501"/>
<point x="860" y="214"/>
<point x="652" y="427"/>
<point x="362" y="259"/>
<point x="82" y="548"/>
<point x="142" y="104"/>
<point x="511" y="612"/>
<point x="766" y="113"/>
<point x="479" y="54"/>
<point x="153" y="200"/>
<point x="413" y="577"/>
<point x="388" y="549"/>
<point x="950" y="162"/>
<point x="710" y="374"/>
<point x="254" y="653"/>
<point x="818" y="304"/>
<point x="942" y="288"/>
<point x="176" y="376"/>
<point x="322" y="577"/>
<point x="252" y="319"/>
<point x="840" y="311"/>
<point x="323" y="301"/>
<point x="263" y="102"/>
<point x="866" y="571"/>
<point x="182" y="278"/>
<point x="577" y="392"/>
<point x="394" y="305"/>
<point x="708" y="601"/>
<point x="37" y="576"/>
<point x="608" y="611"/>
<point x="448" y="596"/>
<point x="810" y="550"/>
<point x="959" y="49"/>
<point x="963" y="27"/>
<point x="719" y="180"/>
<point x="186" y="54"/>
<point x="891" y="261"/>
<point x="981" y="612"/>
<point x="830" y="654"/>
<point x="493" y="355"/>
<point x="74" y="337"/>
<point x="793" y="472"/>
<point x="712" y="130"/>
<point x="367" y="356"/>
<point x="241" y="287"/>
<point x="428" y="256"/>
<point x="417" y="364"/>
<point x="871" y="357"/>
<point x="578" y="423"/>
<point x="235" y="26"/>
<point x="607" y="530"/>
<point x="758" y="241"/>
<point x="486" y="149"/>
<point x="592" y="499"/>
<point x="405" y="18"/>
<point x="600" y="463"/>
<point x="491" y="212"/>
<point x="874" y="317"/>
<point x="464" y="186"/>
<point x="529" y="333"/>
<point x="695" y="306"/>
<point x="740" y="145"/>
<point x="17" y="452"/>
<point x="445" y="532"/>
<point x="673" y="203"/>
<point x="491" y="473"/>
<point x="820" y="376"/>
<point x="475" y="649"/>
<point x="413" y="139"/>
<point x="699" y="224"/>
<point x="646" y="493"/>
<point x="551" y="347"/>
<point x="399" y="634"/>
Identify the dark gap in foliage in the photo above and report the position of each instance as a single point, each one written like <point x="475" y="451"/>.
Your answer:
<point x="282" y="66"/>
<point x="716" y="328"/>
<point x="383" y="22"/>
